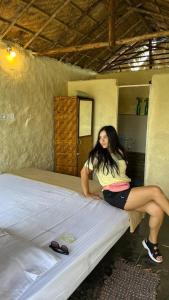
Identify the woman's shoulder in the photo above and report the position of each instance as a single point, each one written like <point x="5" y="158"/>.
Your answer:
<point x="118" y="155"/>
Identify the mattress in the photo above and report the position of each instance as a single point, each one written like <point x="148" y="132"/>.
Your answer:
<point x="72" y="182"/>
<point x="35" y="213"/>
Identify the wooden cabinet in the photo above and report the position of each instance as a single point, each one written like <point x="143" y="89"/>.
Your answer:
<point x="135" y="168"/>
<point x="73" y="133"/>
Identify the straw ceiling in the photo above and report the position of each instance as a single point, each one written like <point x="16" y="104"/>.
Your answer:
<point x="103" y="35"/>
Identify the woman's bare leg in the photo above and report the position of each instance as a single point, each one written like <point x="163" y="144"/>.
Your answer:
<point x="139" y="196"/>
<point x="155" y="221"/>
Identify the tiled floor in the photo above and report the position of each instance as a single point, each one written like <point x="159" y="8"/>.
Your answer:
<point x="130" y="248"/>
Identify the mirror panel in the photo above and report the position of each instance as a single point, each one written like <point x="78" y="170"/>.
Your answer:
<point x="85" y="117"/>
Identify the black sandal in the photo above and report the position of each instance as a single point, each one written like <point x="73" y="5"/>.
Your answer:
<point x="153" y="250"/>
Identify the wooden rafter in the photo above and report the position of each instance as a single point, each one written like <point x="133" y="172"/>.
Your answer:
<point x="99" y="45"/>
<point x="150" y="55"/>
<point x="121" y="63"/>
<point x="147" y="12"/>
<point x="17" y="18"/>
<point x="158" y="9"/>
<point x="124" y="34"/>
<point x="46" y="24"/>
<point x="141" y="17"/>
<point x="112" y="8"/>
<point x="136" y="56"/>
<point x="118" y="22"/>
<point x="145" y="66"/>
<point x="102" y="33"/>
<point x="89" y="34"/>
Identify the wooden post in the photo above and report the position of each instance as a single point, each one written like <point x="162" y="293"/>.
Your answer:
<point x="112" y="5"/>
<point x="150" y="55"/>
<point x="123" y="41"/>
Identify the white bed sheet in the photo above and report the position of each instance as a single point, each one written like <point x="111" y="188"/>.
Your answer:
<point x="41" y="212"/>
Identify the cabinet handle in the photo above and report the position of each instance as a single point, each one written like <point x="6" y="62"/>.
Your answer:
<point x="77" y="153"/>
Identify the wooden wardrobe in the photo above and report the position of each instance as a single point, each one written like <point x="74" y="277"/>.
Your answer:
<point x="73" y="133"/>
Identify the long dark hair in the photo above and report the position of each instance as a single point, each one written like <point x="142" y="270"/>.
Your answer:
<point x="101" y="157"/>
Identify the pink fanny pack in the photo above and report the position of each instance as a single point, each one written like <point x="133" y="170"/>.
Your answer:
<point x="117" y="187"/>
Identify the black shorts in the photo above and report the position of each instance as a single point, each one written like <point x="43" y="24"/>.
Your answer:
<point x="117" y="199"/>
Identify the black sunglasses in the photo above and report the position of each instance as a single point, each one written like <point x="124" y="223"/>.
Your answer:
<point x="60" y="249"/>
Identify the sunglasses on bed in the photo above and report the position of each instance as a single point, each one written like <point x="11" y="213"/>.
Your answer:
<point x="60" y="249"/>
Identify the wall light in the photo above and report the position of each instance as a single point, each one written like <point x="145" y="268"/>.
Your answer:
<point x="11" y="54"/>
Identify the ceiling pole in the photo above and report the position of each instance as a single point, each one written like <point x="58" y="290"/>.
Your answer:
<point x="147" y="12"/>
<point x="150" y="55"/>
<point x="91" y="46"/>
<point x="112" y="38"/>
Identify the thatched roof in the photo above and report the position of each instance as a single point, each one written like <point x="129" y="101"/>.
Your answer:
<point x="95" y="34"/>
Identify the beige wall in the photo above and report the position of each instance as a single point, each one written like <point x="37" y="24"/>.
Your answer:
<point x="105" y="95"/>
<point x="27" y="87"/>
<point x="128" y="101"/>
<point x="157" y="158"/>
<point x="157" y="148"/>
<point x="140" y="77"/>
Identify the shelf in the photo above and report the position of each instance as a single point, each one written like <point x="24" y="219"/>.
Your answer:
<point x="132" y="115"/>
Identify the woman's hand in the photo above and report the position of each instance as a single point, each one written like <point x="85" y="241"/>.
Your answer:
<point x="85" y="184"/>
<point x="93" y="195"/>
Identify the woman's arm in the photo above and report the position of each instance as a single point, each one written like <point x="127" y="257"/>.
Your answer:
<point x="85" y="183"/>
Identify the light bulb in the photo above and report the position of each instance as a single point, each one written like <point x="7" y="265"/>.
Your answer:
<point x="11" y="54"/>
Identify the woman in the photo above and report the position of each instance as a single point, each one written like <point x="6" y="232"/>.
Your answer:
<point x="108" y="160"/>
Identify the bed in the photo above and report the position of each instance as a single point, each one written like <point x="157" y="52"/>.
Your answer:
<point x="35" y="209"/>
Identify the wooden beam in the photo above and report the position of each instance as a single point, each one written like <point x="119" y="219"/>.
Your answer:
<point x="46" y="23"/>
<point x="138" y="66"/>
<point x="147" y="12"/>
<point x="130" y="29"/>
<point x="150" y="55"/>
<point x="156" y="55"/>
<point x="99" y="45"/>
<point x="88" y="35"/>
<point x="17" y="18"/>
<point x="112" y="7"/>
<point x="148" y="27"/>
<point x="118" y="22"/>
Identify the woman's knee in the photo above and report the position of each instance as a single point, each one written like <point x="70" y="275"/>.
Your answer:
<point x="155" y="210"/>
<point x="156" y="190"/>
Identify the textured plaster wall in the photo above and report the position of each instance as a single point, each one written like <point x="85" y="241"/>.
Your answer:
<point x="105" y="95"/>
<point x="157" y="158"/>
<point x="27" y="87"/>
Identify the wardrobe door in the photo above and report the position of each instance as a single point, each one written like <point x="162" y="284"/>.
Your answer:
<point x="66" y="134"/>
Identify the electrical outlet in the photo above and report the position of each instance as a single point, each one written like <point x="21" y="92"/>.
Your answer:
<point x="5" y="117"/>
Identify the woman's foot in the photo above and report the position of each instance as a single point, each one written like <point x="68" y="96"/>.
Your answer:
<point x="153" y="251"/>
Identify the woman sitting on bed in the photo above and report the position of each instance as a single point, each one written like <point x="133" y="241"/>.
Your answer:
<point x="108" y="160"/>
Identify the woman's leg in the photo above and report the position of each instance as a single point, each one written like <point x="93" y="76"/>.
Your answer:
<point x="155" y="221"/>
<point x="140" y="196"/>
